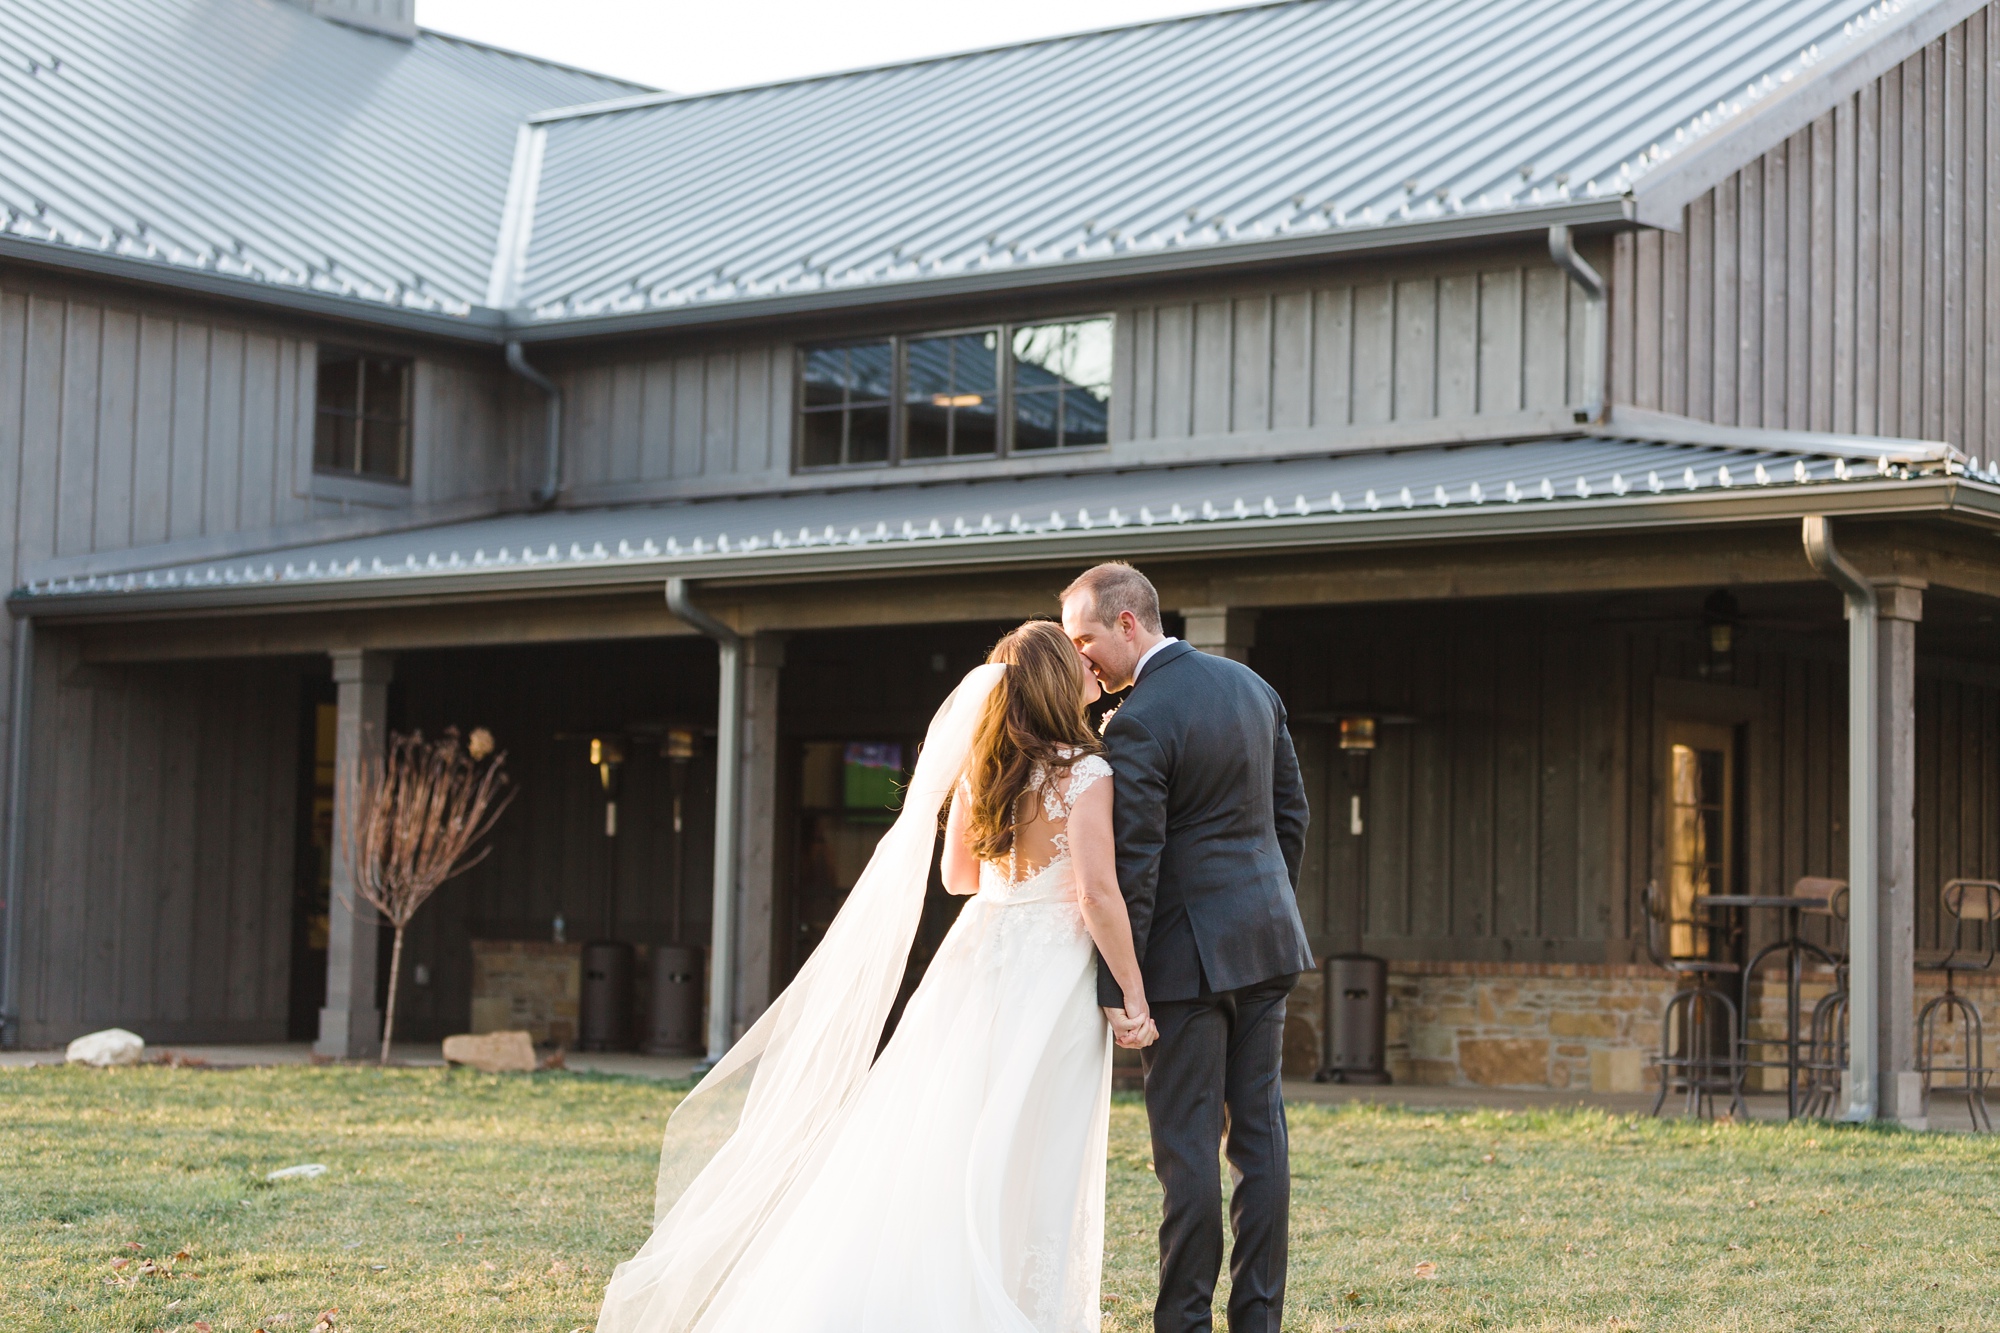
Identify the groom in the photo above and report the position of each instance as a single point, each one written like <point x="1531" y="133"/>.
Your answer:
<point x="1210" y="818"/>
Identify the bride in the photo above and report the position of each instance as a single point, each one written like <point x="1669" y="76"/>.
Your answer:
<point x="957" y="1181"/>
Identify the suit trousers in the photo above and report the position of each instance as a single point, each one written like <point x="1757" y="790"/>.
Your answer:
<point x="1213" y="1082"/>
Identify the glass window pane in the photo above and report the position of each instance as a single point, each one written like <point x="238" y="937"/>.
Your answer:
<point x="1086" y="417"/>
<point x="868" y="435"/>
<point x="338" y="380"/>
<point x="382" y="447"/>
<point x="825" y="376"/>
<point x="1034" y="419"/>
<point x="975" y="430"/>
<point x="333" y="442"/>
<point x="926" y="429"/>
<point x="382" y="389"/>
<point x="868" y="369"/>
<point x="821" y="445"/>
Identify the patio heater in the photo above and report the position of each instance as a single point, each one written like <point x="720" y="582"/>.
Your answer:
<point x="1355" y="986"/>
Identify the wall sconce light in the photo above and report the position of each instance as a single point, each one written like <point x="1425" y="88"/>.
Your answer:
<point x="607" y="755"/>
<point x="1720" y="615"/>
<point x="1357" y="742"/>
<point x="1357" y="734"/>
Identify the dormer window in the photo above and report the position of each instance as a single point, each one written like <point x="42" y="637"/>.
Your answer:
<point x="956" y="394"/>
<point x="361" y="421"/>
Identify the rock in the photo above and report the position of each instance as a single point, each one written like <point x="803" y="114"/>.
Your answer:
<point x="1505" y="1062"/>
<point x="1616" y="1069"/>
<point x="493" y="1052"/>
<point x="100" y="1050"/>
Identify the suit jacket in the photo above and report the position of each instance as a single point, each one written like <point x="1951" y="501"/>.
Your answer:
<point x="1210" y="817"/>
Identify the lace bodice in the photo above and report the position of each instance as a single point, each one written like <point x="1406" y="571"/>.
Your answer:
<point x="1057" y="787"/>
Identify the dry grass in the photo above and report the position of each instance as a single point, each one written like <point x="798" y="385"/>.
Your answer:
<point x="466" y="1201"/>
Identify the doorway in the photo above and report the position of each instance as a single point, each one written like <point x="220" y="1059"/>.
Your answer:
<point x="1701" y="848"/>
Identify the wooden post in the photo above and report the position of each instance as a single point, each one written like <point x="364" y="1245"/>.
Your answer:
<point x="756" y="828"/>
<point x="350" y="1026"/>
<point x="1226" y="631"/>
<point x="1900" y="1095"/>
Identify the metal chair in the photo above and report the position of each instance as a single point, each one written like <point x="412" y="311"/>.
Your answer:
<point x="1826" y="1048"/>
<point x="1974" y="907"/>
<point x="1811" y="895"/>
<point x="1705" y="1060"/>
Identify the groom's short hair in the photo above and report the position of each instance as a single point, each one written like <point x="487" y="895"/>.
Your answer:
<point x="1115" y="587"/>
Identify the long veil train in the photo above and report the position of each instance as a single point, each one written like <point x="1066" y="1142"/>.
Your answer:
<point x="749" y="1133"/>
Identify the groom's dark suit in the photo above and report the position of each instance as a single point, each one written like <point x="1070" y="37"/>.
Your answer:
<point x="1211" y="819"/>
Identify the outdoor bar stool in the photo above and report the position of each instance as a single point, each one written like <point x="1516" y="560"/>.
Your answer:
<point x="1974" y="906"/>
<point x="1706" y="1060"/>
<point x="1826" y="1047"/>
<point x="1810" y="895"/>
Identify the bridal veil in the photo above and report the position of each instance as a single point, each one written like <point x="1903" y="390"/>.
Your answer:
<point x="750" y="1132"/>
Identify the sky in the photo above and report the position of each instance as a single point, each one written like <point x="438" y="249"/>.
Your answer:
<point x="698" y="45"/>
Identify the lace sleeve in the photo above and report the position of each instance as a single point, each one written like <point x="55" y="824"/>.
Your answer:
<point x="1083" y="775"/>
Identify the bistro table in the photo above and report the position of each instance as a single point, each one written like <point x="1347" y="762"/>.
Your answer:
<point x="1795" y="948"/>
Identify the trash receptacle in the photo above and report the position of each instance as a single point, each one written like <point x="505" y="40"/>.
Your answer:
<point x="675" y="1027"/>
<point x="1357" y="1004"/>
<point x="607" y="996"/>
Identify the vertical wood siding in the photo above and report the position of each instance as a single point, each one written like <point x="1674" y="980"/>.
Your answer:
<point x="1845" y="280"/>
<point x="705" y="416"/>
<point x="1437" y="345"/>
<point x="160" y="857"/>
<point x="1518" y="815"/>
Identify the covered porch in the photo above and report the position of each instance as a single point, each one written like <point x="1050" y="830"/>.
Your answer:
<point x="1531" y="663"/>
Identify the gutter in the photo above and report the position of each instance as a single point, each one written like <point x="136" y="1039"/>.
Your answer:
<point x="1455" y="229"/>
<point x="728" y="749"/>
<point x="482" y="326"/>
<point x="545" y="494"/>
<point x="1951" y="496"/>
<point x="1863" y="797"/>
<point x="490" y="327"/>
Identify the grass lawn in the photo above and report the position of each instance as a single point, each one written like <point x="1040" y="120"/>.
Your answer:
<point x="462" y="1201"/>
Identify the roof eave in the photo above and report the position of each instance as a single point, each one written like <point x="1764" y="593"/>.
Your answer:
<point x="1612" y="210"/>
<point x="482" y="325"/>
<point x="1636" y="512"/>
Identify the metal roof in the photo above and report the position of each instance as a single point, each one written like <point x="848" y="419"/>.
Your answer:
<point x="249" y="139"/>
<point x="1313" y="123"/>
<point x="1521" y="487"/>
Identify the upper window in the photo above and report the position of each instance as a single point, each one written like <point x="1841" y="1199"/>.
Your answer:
<point x="972" y="393"/>
<point x="361" y="425"/>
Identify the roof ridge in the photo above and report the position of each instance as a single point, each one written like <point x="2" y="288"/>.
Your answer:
<point x="612" y="106"/>
<point x="644" y="89"/>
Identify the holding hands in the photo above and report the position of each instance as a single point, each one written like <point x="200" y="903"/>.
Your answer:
<point x="1132" y="1027"/>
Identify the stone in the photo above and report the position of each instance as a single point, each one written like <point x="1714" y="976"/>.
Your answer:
<point x="1616" y="1069"/>
<point x="1301" y="1051"/>
<point x="493" y="1052"/>
<point x="101" y="1050"/>
<point x="1571" y="1023"/>
<point x="1505" y="1062"/>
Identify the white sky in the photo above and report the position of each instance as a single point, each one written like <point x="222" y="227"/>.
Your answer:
<point x="695" y="45"/>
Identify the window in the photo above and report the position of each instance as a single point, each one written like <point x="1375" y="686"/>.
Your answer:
<point x="969" y="393"/>
<point x="845" y="404"/>
<point x="1062" y="385"/>
<point x="361" y="427"/>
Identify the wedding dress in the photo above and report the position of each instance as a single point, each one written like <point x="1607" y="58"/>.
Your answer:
<point x="953" y="1185"/>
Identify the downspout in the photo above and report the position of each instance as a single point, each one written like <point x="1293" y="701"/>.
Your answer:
<point x="1863" y="778"/>
<point x="17" y="834"/>
<point x="552" y="448"/>
<point x="728" y="747"/>
<point x="1562" y="249"/>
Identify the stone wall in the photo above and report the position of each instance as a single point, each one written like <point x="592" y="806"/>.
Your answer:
<point x="531" y="985"/>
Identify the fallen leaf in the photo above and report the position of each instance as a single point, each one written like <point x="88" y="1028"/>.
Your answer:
<point x="203" y="1326"/>
<point x="1734" y="1246"/>
<point x="120" y="1263"/>
<point x="1352" y="1298"/>
<point x="1487" y="1158"/>
<point x="1427" y="1269"/>
<point x="133" y="1245"/>
<point x="1753" y="1203"/>
<point x="183" y="1253"/>
<point x="325" y="1322"/>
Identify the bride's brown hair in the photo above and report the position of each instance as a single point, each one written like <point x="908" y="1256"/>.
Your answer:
<point x="1034" y="714"/>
